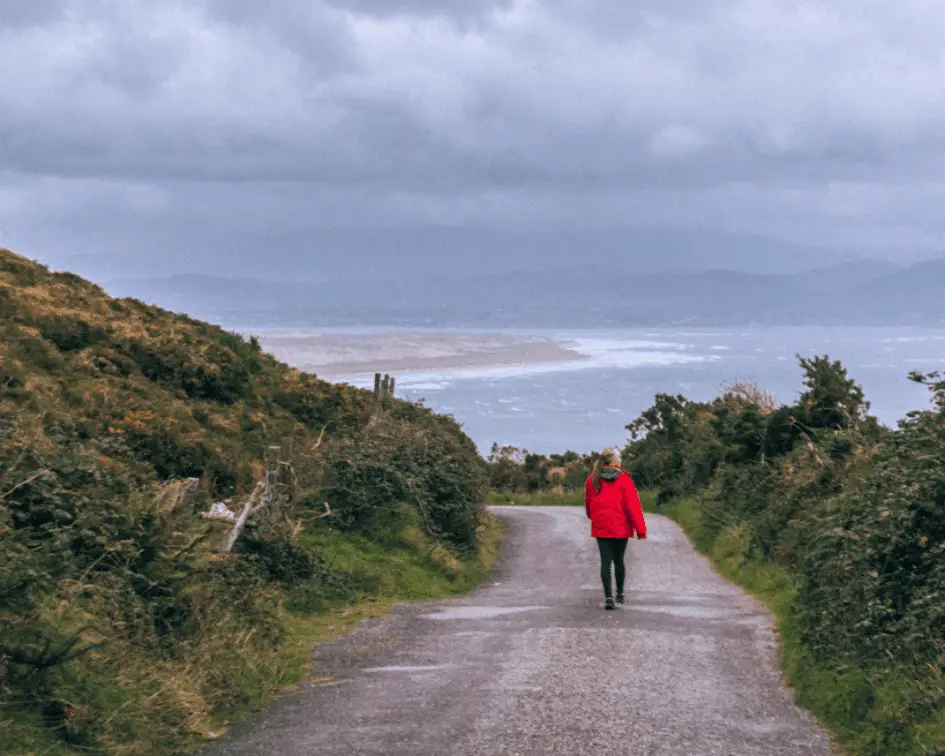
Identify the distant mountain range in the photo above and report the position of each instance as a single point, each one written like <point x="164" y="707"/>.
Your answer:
<point x="859" y="292"/>
<point x="332" y="254"/>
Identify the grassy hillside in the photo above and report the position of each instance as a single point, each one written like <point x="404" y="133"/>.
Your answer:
<point x="130" y="622"/>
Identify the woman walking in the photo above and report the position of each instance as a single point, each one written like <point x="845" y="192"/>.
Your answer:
<point x="613" y="507"/>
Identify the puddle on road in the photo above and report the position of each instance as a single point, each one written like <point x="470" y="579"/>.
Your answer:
<point x="478" y="612"/>
<point x="408" y="668"/>
<point x="688" y="612"/>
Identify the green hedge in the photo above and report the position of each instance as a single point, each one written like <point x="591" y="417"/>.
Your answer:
<point x="840" y="524"/>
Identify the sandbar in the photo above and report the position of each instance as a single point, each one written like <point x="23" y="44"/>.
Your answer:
<point x="333" y="355"/>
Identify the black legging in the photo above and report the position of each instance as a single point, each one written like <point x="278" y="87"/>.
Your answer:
<point x="612" y="550"/>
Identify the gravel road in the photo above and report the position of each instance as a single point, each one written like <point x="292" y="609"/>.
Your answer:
<point x="532" y="664"/>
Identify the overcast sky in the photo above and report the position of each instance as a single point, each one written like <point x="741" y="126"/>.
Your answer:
<point x="128" y="127"/>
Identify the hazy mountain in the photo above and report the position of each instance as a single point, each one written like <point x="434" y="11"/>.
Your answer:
<point x="843" y="275"/>
<point x="441" y="274"/>
<point x="596" y="293"/>
<point x="403" y="253"/>
<point x="201" y="294"/>
<point x="917" y="292"/>
<point x="462" y="251"/>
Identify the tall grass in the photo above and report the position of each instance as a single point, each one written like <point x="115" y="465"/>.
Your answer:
<point x="536" y="499"/>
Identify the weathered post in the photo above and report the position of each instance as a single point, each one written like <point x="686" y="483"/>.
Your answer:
<point x="391" y="385"/>
<point x="377" y="385"/>
<point x="272" y="482"/>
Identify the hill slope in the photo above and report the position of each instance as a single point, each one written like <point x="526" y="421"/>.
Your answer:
<point x="131" y="623"/>
<point x="409" y="252"/>
<point x="918" y="292"/>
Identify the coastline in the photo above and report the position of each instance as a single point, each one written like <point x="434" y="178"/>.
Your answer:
<point x="335" y="355"/>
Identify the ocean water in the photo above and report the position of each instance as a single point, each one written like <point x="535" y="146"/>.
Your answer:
<point x="587" y="404"/>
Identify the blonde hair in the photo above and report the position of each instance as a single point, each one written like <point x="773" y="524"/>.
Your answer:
<point x="611" y="458"/>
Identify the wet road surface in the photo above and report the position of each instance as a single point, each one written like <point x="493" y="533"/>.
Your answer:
<point x="531" y="664"/>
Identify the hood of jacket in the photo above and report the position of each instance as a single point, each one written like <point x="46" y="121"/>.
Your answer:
<point x="610" y="473"/>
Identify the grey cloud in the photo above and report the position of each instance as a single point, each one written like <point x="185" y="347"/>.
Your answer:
<point x="14" y="15"/>
<point x="745" y="114"/>
<point x="457" y="9"/>
<point x="314" y="32"/>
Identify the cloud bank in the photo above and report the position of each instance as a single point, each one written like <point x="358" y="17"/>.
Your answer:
<point x="130" y="127"/>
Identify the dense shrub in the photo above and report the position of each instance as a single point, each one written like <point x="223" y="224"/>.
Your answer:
<point x="513" y="470"/>
<point x="431" y="469"/>
<point x="886" y="533"/>
<point x="70" y="333"/>
<point x="218" y="376"/>
<point x="853" y="511"/>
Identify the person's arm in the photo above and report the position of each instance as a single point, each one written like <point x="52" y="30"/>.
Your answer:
<point x="633" y="507"/>
<point x="587" y="498"/>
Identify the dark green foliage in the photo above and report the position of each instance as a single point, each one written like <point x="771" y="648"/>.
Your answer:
<point x="277" y="559"/>
<point x="70" y="334"/>
<point x="431" y="469"/>
<point x="887" y="530"/>
<point x="512" y="470"/>
<point x="832" y="400"/>
<point x="222" y="378"/>
<point x="678" y="444"/>
<point x="853" y="511"/>
<point x="309" y="400"/>
<point x="782" y="431"/>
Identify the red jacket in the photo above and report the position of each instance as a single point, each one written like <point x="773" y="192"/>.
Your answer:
<point x="614" y="511"/>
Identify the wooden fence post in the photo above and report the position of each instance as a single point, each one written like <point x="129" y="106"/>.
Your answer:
<point x="383" y="387"/>
<point x="272" y="482"/>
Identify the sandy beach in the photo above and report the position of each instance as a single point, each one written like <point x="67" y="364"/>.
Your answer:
<point x="336" y="355"/>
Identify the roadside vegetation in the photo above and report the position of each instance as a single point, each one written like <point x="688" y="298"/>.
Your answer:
<point x="523" y="475"/>
<point x="834" y="520"/>
<point x="182" y="517"/>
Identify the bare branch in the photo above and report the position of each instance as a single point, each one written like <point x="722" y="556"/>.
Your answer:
<point x="217" y="517"/>
<point x="321" y="437"/>
<point x="240" y="523"/>
<point x="747" y="390"/>
<point x="35" y="476"/>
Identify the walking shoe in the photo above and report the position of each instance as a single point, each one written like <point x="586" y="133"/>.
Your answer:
<point x="619" y="598"/>
<point x="609" y="604"/>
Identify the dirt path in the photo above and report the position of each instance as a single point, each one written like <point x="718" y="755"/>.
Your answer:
<point x="531" y="664"/>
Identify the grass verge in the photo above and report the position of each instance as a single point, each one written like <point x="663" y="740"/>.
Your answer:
<point x="537" y="499"/>
<point x="553" y="499"/>
<point x="864" y="710"/>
